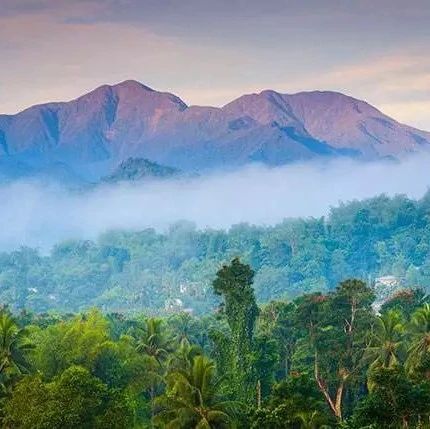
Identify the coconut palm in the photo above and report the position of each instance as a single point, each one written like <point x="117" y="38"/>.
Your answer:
<point x="182" y="358"/>
<point x="184" y="327"/>
<point x="192" y="399"/>
<point x="419" y="330"/>
<point x="153" y="343"/>
<point x="386" y="340"/>
<point x="14" y="351"/>
<point x="152" y="340"/>
<point x="14" y="346"/>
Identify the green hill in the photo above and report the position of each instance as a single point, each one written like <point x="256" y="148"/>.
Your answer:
<point x="384" y="240"/>
<point x="136" y="169"/>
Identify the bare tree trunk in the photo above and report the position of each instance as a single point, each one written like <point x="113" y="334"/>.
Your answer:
<point x="323" y="388"/>
<point x="258" y="394"/>
<point x="336" y="403"/>
<point x="286" y="367"/>
<point x="152" y="394"/>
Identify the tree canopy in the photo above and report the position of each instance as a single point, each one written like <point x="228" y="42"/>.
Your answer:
<point x="323" y="360"/>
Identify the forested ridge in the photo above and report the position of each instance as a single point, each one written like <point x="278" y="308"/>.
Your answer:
<point x="158" y="272"/>
<point x="323" y="360"/>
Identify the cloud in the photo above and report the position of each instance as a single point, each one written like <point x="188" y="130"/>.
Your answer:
<point x="398" y="84"/>
<point x="40" y="215"/>
<point x="411" y="112"/>
<point x="63" y="57"/>
<point x="67" y="60"/>
<point x="377" y="67"/>
<point x="390" y="75"/>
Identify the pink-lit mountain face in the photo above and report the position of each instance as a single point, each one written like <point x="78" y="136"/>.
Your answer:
<point x="113" y="123"/>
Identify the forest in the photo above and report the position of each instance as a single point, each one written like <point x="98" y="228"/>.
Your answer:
<point x="160" y="272"/>
<point x="322" y="360"/>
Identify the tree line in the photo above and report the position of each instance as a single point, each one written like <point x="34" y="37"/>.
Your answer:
<point x="322" y="360"/>
<point x="154" y="271"/>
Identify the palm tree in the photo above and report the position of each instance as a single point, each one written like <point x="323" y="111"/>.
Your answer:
<point x="152" y="340"/>
<point x="386" y="340"/>
<point x="14" y="350"/>
<point x="183" y="358"/>
<point x="14" y="346"/>
<point x="192" y="399"/>
<point x="419" y="330"/>
<point x="153" y="343"/>
<point x="184" y="328"/>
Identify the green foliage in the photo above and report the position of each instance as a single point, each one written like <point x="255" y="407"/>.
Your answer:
<point x="159" y="273"/>
<point x="336" y="326"/>
<point x="406" y="301"/>
<point x="234" y="283"/>
<point x="192" y="399"/>
<point x="15" y="348"/>
<point x="74" y="342"/>
<point x="419" y="329"/>
<point x="294" y="403"/>
<point x="73" y="400"/>
<point x="386" y="342"/>
<point x="395" y="401"/>
<point x="322" y="360"/>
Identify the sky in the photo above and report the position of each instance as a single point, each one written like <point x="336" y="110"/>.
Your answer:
<point x="210" y="52"/>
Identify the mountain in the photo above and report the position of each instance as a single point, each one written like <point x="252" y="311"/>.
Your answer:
<point x="12" y="169"/>
<point x="137" y="169"/>
<point x="113" y="123"/>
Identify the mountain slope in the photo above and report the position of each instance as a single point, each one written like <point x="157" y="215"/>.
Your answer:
<point x="113" y="123"/>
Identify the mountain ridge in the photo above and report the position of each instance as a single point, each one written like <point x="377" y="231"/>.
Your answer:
<point x="115" y="122"/>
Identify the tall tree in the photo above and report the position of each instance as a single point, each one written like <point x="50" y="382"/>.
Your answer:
<point x="234" y="283"/>
<point x="277" y="321"/>
<point x="336" y="327"/>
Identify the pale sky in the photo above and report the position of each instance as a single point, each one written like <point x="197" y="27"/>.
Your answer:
<point x="209" y="52"/>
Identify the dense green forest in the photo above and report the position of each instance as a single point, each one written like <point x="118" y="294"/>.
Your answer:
<point x="159" y="272"/>
<point x="323" y="360"/>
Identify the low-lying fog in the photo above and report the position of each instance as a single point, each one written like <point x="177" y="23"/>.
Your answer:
<point x="38" y="215"/>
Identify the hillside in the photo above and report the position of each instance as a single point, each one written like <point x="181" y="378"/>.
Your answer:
<point x="112" y="123"/>
<point x="381" y="238"/>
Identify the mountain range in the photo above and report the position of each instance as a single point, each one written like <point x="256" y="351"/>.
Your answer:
<point x="91" y="135"/>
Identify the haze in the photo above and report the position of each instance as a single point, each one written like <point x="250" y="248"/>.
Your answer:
<point x="38" y="215"/>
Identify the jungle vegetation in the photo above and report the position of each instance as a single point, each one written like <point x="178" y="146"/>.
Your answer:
<point x="159" y="272"/>
<point x="322" y="360"/>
